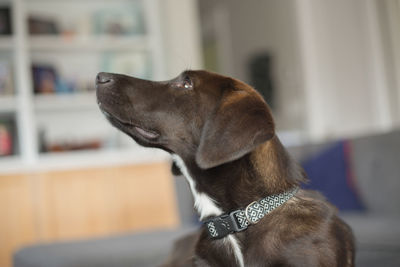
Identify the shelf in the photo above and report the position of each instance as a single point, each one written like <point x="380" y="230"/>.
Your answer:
<point x="80" y="1"/>
<point x="84" y="159"/>
<point x="67" y="101"/>
<point x="8" y="103"/>
<point x="88" y="43"/>
<point x="101" y="157"/>
<point x="6" y="42"/>
<point x="66" y="52"/>
<point x="10" y="164"/>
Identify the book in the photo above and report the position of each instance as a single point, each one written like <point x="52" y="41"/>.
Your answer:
<point x="44" y="79"/>
<point x="137" y="64"/>
<point x="42" y="25"/>
<point x="7" y="136"/>
<point x="119" y="21"/>
<point x="5" y="21"/>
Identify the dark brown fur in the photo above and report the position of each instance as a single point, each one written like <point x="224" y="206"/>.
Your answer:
<point x="224" y="132"/>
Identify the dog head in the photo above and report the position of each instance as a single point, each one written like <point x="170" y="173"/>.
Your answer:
<point x="201" y="116"/>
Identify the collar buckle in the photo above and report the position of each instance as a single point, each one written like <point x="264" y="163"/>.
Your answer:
<point x="234" y="217"/>
<point x="220" y="226"/>
<point x="223" y="225"/>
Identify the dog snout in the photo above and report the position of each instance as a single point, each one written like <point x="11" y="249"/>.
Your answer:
<point x="104" y="78"/>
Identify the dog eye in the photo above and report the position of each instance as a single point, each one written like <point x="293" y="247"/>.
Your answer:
<point x="187" y="83"/>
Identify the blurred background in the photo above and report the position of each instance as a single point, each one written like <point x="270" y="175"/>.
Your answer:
<point x="330" y="70"/>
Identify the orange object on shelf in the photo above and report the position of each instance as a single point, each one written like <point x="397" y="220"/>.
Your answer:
<point x="5" y="141"/>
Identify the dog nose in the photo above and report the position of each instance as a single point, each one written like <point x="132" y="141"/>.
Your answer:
<point x="103" y="78"/>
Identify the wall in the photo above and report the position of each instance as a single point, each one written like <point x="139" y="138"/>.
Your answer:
<point x="255" y="26"/>
<point x="270" y="26"/>
<point x="344" y="77"/>
<point x="389" y="21"/>
<point x="331" y="67"/>
<point x="181" y="36"/>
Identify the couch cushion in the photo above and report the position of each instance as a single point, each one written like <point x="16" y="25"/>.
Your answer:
<point x="329" y="172"/>
<point x="376" y="163"/>
<point x="377" y="239"/>
<point x="375" y="231"/>
<point x="143" y="249"/>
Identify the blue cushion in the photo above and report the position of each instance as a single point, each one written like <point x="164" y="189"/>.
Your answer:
<point x="330" y="172"/>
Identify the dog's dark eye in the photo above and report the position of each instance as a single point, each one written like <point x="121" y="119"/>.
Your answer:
<point x="187" y="83"/>
<point x="184" y="82"/>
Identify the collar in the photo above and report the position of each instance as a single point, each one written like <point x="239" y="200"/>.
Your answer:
<point x="238" y="220"/>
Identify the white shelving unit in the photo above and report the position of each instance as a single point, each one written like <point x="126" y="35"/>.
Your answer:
<point x="32" y="110"/>
<point x="7" y="104"/>
<point x="86" y="43"/>
<point x="60" y="102"/>
<point x="6" y="43"/>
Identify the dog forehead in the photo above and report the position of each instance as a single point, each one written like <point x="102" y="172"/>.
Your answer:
<point x="217" y="84"/>
<point x="203" y="77"/>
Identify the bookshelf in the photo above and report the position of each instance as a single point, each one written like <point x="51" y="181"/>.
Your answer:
<point x="79" y="54"/>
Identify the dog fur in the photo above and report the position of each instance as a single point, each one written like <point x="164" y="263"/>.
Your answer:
<point x="222" y="137"/>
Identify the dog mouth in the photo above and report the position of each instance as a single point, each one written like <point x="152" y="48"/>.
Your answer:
<point x="129" y="127"/>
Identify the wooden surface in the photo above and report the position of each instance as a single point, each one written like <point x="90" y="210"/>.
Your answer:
<point x="76" y="204"/>
<point x="17" y="223"/>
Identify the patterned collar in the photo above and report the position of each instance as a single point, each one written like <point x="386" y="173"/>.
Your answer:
<point x="238" y="220"/>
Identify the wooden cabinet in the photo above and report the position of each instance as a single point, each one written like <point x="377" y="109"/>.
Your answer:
<point x="17" y="218"/>
<point x="76" y="204"/>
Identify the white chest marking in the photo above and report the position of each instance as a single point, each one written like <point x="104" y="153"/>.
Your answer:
<point x="236" y="249"/>
<point x="206" y="206"/>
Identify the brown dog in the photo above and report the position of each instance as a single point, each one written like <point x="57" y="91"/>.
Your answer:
<point x="221" y="134"/>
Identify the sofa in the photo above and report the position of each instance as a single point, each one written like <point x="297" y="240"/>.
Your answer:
<point x="374" y="162"/>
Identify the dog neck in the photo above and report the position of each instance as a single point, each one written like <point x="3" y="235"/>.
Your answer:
<point x="265" y="171"/>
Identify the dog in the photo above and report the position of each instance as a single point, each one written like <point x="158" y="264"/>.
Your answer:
<point x="221" y="135"/>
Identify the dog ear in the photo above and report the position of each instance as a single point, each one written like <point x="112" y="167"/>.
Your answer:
<point x="241" y="123"/>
